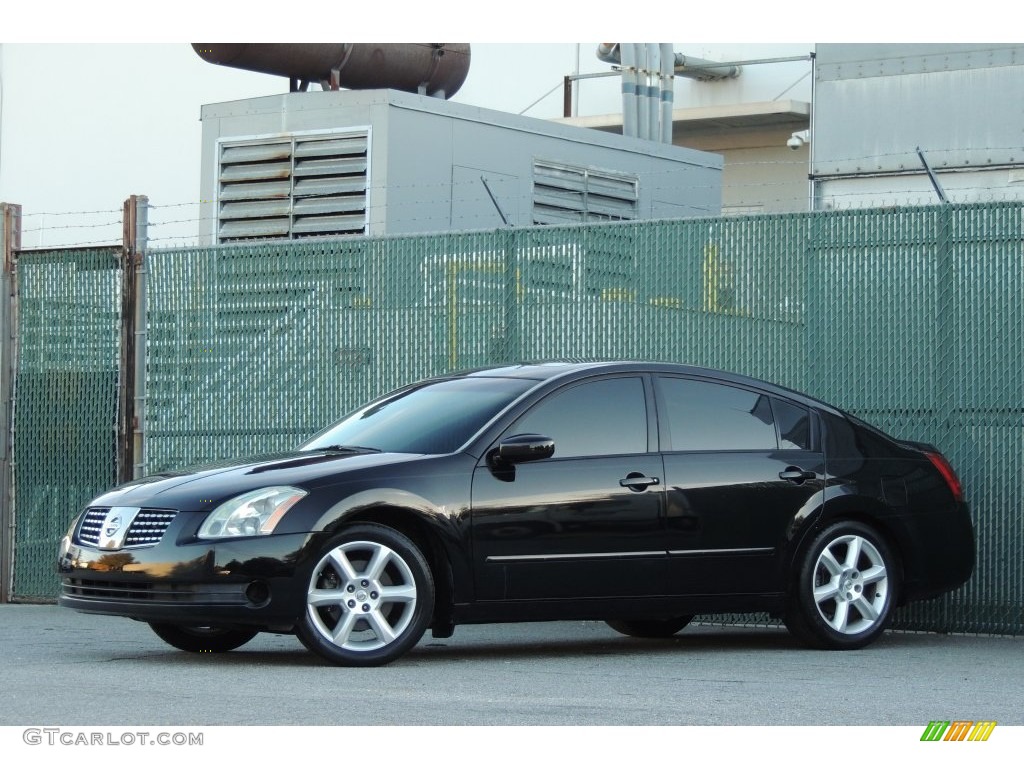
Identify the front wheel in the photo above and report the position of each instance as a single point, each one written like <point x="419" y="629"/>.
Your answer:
<point x="197" y="639"/>
<point x="370" y="597"/>
<point x="844" y="590"/>
<point x="650" y="628"/>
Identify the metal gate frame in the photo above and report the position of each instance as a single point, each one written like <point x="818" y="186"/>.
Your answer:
<point x="10" y="244"/>
<point x="129" y="420"/>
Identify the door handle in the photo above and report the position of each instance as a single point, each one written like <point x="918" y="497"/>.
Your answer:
<point x="796" y="475"/>
<point x="637" y="481"/>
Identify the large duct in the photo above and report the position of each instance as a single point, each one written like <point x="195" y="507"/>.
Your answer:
<point x="435" y="69"/>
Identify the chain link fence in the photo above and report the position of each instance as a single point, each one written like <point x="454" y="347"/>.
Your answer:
<point x="910" y="318"/>
<point x="69" y="305"/>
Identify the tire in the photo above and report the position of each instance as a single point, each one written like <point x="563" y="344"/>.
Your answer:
<point x="650" y="628"/>
<point x="844" y="588"/>
<point x="195" y="639"/>
<point x="369" y="599"/>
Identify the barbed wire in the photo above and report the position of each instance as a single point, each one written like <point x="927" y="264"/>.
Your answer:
<point x="73" y="226"/>
<point x="788" y="192"/>
<point x="471" y="224"/>
<point x="72" y="213"/>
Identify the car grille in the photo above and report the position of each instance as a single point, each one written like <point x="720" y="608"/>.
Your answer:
<point x="146" y="529"/>
<point x="89" y="531"/>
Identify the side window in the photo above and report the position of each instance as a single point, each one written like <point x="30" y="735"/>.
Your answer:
<point x="703" y="416"/>
<point x="794" y="423"/>
<point x="599" y="418"/>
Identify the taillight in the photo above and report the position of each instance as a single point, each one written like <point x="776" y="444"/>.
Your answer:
<point x="947" y="474"/>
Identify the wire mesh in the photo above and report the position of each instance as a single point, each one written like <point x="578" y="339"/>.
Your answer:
<point x="911" y="318"/>
<point x="66" y="401"/>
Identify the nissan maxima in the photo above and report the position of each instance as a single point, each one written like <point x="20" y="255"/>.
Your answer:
<point x="640" y="494"/>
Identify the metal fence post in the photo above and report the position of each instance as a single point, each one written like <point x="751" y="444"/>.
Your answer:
<point x="132" y="368"/>
<point x="10" y="244"/>
<point x="513" y="307"/>
<point x="139" y="420"/>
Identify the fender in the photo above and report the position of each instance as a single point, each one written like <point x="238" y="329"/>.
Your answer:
<point x="844" y="502"/>
<point x="448" y="526"/>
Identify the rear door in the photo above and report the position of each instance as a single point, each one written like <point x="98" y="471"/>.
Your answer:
<point x="740" y="465"/>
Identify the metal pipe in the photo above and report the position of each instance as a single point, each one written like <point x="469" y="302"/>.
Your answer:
<point x="933" y="178"/>
<point x="643" y="128"/>
<point x="691" y="66"/>
<point x="608" y="53"/>
<point x="704" y="70"/>
<point x="627" y="55"/>
<point x="667" y="92"/>
<point x="653" y="91"/>
<point x="740" y="63"/>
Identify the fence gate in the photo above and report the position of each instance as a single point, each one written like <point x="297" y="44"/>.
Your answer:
<point x="68" y="389"/>
<point x="66" y="386"/>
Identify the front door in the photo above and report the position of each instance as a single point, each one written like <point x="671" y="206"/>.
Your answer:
<point x="586" y="522"/>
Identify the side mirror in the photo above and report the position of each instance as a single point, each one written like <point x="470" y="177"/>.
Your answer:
<point x="522" y="448"/>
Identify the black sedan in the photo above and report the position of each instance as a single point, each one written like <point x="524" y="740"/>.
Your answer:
<point x="640" y="494"/>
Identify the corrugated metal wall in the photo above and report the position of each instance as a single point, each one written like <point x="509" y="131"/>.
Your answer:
<point x="911" y="318"/>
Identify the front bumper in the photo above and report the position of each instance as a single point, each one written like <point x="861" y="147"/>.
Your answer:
<point x="255" y="581"/>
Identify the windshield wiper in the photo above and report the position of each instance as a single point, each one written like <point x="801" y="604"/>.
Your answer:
<point x="345" y="449"/>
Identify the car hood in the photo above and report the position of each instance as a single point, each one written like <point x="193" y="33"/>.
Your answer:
<point x="205" y="486"/>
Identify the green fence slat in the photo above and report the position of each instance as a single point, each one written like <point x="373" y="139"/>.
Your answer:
<point x="912" y="318"/>
<point x="69" y="315"/>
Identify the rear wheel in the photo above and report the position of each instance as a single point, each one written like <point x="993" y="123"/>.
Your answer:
<point x="650" y="628"/>
<point x="844" y="590"/>
<point x="369" y="598"/>
<point x="197" y="639"/>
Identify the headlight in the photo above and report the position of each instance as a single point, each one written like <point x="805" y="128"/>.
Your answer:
<point x="255" y="513"/>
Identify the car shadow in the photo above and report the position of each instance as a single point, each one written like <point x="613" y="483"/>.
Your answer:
<point x="616" y="645"/>
<point x="431" y="651"/>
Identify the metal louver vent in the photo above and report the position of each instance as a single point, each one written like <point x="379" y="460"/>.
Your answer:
<point x="292" y="187"/>
<point x="565" y="194"/>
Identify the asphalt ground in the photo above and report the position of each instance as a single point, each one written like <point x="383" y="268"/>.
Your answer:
<point x="58" y="667"/>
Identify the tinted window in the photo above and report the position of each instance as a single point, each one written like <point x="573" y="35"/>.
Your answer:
<point x="599" y="418"/>
<point x="714" y="417"/>
<point x="435" y="418"/>
<point x="794" y="424"/>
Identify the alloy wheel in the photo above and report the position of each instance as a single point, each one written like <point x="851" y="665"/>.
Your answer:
<point x="850" y="584"/>
<point x="362" y="596"/>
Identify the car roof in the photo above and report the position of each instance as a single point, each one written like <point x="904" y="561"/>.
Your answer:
<point x="552" y="369"/>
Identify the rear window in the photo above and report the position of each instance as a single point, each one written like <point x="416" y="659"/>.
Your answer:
<point x="704" y="416"/>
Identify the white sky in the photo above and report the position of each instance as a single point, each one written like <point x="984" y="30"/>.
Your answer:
<point x="101" y="100"/>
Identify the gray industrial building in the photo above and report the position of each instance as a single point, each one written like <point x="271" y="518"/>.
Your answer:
<point x="386" y="162"/>
<point x="855" y="136"/>
<point x="875" y="105"/>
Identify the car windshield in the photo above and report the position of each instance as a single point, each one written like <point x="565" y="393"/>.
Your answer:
<point x="437" y="417"/>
